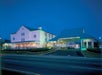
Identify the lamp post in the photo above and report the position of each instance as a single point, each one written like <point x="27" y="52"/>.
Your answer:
<point x="100" y="37"/>
<point x="100" y="42"/>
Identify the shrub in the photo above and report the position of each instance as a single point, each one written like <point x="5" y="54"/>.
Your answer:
<point x="96" y="50"/>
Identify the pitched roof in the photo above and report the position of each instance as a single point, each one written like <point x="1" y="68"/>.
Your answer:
<point x="70" y="32"/>
<point x="31" y="29"/>
<point x="67" y="33"/>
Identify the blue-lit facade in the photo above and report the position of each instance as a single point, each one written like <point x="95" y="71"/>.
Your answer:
<point x="74" y="38"/>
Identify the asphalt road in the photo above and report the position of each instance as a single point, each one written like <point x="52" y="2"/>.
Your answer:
<point x="52" y="65"/>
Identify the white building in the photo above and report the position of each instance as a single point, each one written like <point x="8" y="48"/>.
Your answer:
<point x="30" y="38"/>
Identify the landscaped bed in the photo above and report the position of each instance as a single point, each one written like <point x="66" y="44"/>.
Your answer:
<point x="34" y="51"/>
<point x="93" y="53"/>
<point x="68" y="52"/>
<point x="95" y="50"/>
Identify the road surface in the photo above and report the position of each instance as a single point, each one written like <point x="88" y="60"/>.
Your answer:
<point x="52" y="65"/>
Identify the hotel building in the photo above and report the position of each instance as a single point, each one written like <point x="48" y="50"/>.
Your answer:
<point x="26" y="38"/>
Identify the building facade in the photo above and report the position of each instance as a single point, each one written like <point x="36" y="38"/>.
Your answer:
<point x="30" y="38"/>
<point x="73" y="39"/>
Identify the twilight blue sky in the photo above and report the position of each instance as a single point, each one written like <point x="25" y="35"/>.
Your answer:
<point x="52" y="15"/>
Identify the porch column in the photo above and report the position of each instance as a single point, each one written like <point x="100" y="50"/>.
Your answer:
<point x="92" y="44"/>
<point x="81" y="43"/>
<point x="86" y="44"/>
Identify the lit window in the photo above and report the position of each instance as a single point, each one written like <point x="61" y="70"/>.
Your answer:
<point x="34" y="36"/>
<point x="22" y="34"/>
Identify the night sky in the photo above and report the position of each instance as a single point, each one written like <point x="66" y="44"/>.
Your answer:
<point x="52" y="15"/>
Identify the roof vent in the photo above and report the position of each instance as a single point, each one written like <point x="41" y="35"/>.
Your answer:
<point x="83" y="30"/>
<point x="40" y="28"/>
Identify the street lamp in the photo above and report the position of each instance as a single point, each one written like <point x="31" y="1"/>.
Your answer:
<point x="100" y="38"/>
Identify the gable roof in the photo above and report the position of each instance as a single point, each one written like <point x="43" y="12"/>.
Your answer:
<point x="30" y="29"/>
